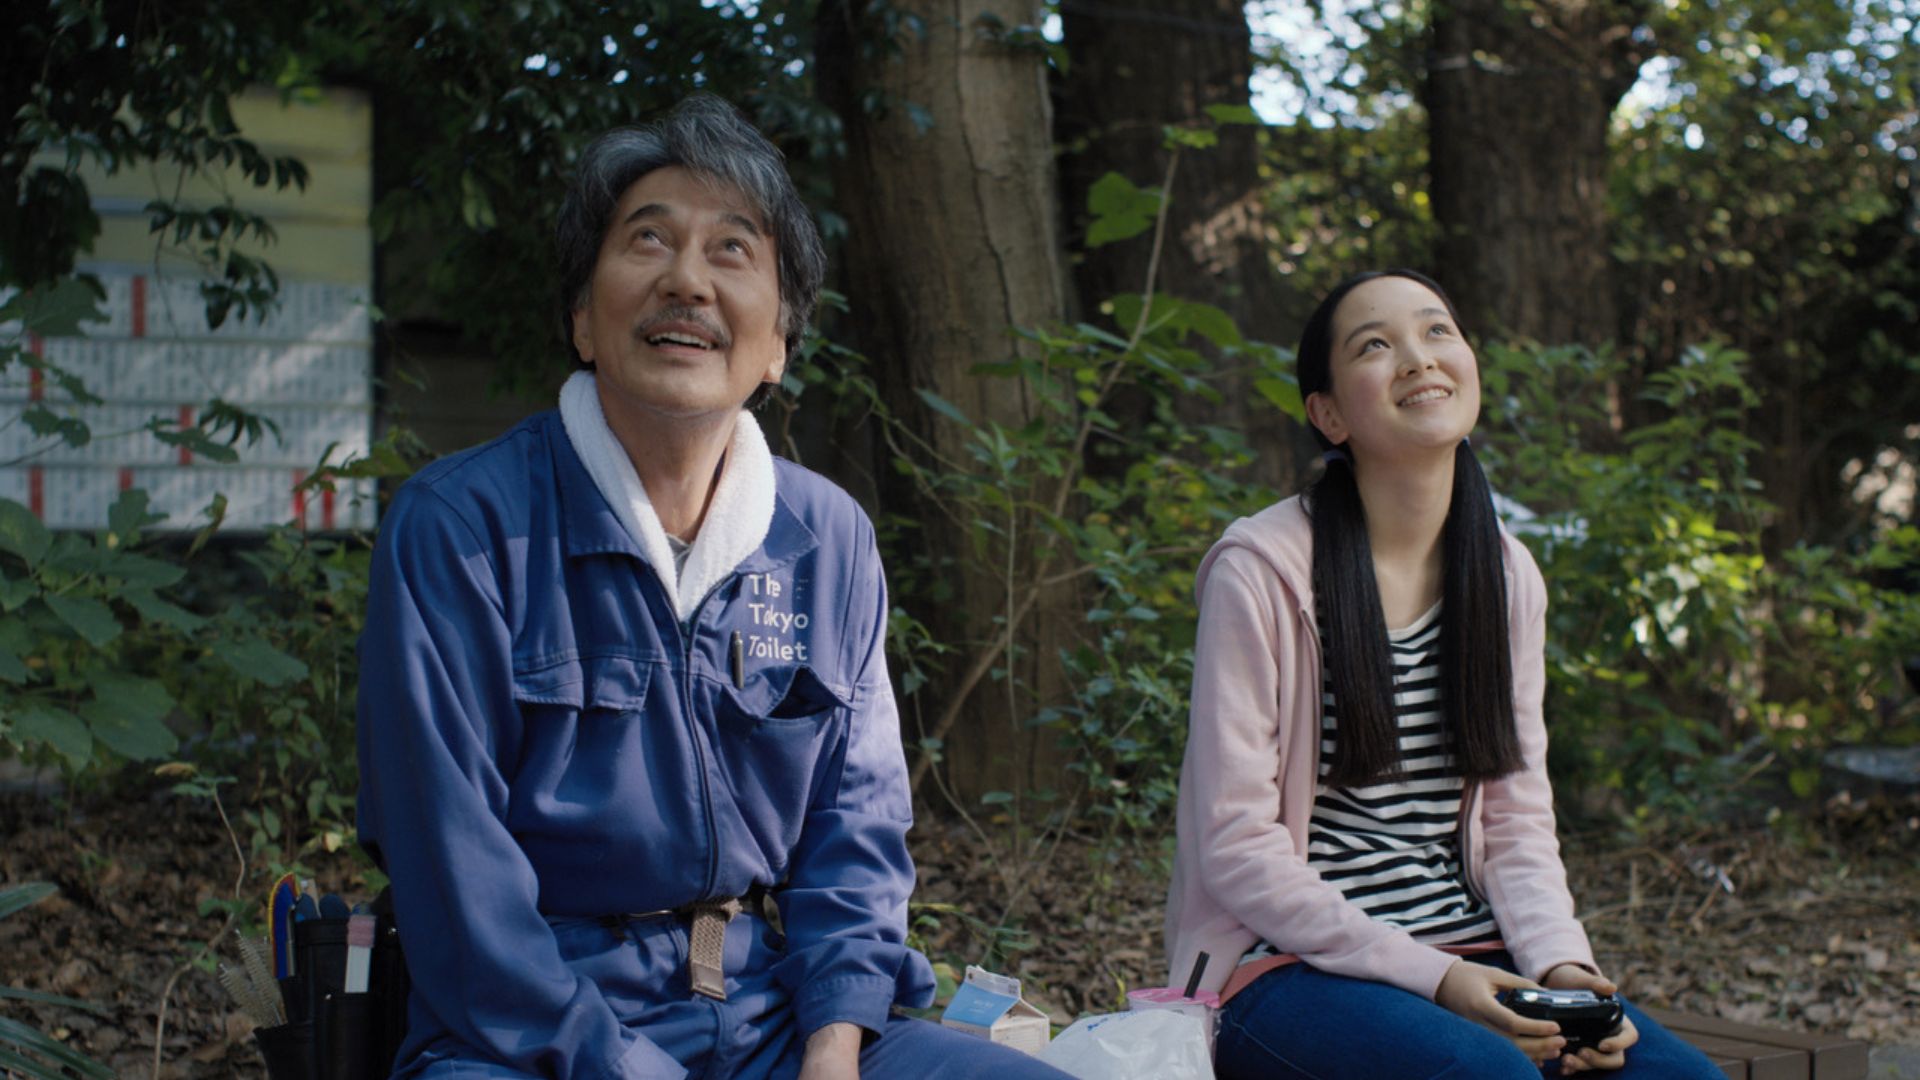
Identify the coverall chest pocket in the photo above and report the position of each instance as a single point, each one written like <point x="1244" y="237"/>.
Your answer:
<point x="584" y="738"/>
<point x="775" y="731"/>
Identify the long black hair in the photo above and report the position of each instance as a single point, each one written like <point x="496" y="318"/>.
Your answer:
<point x="1476" y="677"/>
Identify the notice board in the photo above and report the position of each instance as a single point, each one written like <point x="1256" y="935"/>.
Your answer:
<point x="307" y="365"/>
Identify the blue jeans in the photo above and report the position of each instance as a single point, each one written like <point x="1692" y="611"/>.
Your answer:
<point x="1301" y="1022"/>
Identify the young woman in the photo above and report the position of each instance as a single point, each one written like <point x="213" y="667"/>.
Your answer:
<point x="1366" y="844"/>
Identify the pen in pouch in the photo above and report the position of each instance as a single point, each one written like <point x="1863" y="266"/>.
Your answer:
<point x="739" y="662"/>
<point x="280" y="904"/>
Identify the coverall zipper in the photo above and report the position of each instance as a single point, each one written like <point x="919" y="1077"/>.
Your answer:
<point x="693" y="730"/>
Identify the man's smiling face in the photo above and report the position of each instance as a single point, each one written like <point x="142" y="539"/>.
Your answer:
<point x="682" y="317"/>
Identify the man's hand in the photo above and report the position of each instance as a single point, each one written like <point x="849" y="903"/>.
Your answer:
<point x="1612" y="1051"/>
<point x="833" y="1053"/>
<point x="1470" y="990"/>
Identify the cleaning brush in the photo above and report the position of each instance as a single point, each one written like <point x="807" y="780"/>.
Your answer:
<point x="262" y="1009"/>
<point x="258" y="974"/>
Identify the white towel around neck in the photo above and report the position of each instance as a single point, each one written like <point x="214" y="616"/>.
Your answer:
<point x="738" y="514"/>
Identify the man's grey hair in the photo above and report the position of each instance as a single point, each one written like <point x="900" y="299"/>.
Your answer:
<point x="707" y="137"/>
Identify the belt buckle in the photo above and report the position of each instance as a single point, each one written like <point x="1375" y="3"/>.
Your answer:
<point x="707" y="945"/>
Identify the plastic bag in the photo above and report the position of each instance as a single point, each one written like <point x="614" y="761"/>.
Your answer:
<point x="1153" y="1044"/>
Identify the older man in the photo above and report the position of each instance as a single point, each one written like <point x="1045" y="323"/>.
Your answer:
<point x="624" y="680"/>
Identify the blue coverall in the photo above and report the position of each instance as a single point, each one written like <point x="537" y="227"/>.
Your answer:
<point x="543" y="744"/>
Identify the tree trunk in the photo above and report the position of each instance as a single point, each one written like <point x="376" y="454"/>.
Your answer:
<point x="1136" y="66"/>
<point x="948" y="188"/>
<point x="1519" y="95"/>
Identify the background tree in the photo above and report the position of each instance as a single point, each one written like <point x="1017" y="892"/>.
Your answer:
<point x="1520" y="97"/>
<point x="1134" y="69"/>
<point x="952" y="240"/>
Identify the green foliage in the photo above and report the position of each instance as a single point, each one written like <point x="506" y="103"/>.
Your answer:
<point x="64" y="653"/>
<point x="120" y="87"/>
<point x="1679" y="655"/>
<point x="1767" y="197"/>
<point x="1073" y="507"/>
<point x="24" y="1050"/>
<point x="277" y="700"/>
<point x="110" y="652"/>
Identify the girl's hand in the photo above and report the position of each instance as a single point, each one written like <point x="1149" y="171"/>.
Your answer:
<point x="1470" y="990"/>
<point x="1612" y="1051"/>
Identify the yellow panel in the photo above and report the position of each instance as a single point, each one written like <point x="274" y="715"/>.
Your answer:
<point x="337" y="191"/>
<point x="332" y="136"/>
<point x="339" y="125"/>
<point x="304" y="251"/>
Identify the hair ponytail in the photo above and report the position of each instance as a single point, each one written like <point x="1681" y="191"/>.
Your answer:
<point x="1353" y="630"/>
<point x="1476" y="681"/>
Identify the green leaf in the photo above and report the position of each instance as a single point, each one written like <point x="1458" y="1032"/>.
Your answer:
<point x="995" y="798"/>
<point x="128" y="713"/>
<point x="1108" y="230"/>
<point x="15" y="898"/>
<point x="1216" y="325"/>
<point x="1284" y="394"/>
<point x="57" y="311"/>
<point x="1191" y="138"/>
<point x="74" y="553"/>
<point x="11" y="669"/>
<point x="45" y="423"/>
<point x="58" y="728"/>
<point x="19" y="1034"/>
<point x="1804" y="781"/>
<point x="14" y="593"/>
<point x="194" y="440"/>
<point x="1114" y="194"/>
<point x="255" y="659"/>
<point x="129" y="514"/>
<point x="89" y="618"/>
<point x="1120" y="210"/>
<point x="22" y="533"/>
<point x="475" y="208"/>
<point x="141" y="572"/>
<point x="944" y="407"/>
<point x="1232" y="114"/>
<point x="155" y="610"/>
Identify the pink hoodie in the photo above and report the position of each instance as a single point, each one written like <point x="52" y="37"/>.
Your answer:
<point x="1248" y="782"/>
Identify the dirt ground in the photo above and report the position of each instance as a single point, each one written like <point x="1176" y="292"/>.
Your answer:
<point x="1817" y="930"/>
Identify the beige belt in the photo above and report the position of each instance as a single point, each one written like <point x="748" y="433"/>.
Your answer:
<point x="707" y="945"/>
<point x="706" y="937"/>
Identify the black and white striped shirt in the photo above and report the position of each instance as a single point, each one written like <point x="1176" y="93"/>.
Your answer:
<point x="1393" y="848"/>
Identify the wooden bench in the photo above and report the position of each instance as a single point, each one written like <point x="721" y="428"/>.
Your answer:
<point x="1745" y="1052"/>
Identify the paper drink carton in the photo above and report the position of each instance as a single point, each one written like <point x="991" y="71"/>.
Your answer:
<point x="989" y="1005"/>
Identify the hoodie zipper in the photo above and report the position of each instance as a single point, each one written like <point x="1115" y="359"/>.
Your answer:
<point x="1467" y="798"/>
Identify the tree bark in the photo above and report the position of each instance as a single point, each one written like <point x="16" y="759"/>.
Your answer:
<point x="1136" y="66"/>
<point x="949" y="192"/>
<point x="1519" y="95"/>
